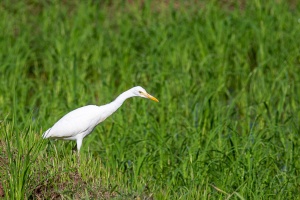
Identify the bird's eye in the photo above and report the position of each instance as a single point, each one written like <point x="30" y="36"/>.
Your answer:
<point x="140" y="92"/>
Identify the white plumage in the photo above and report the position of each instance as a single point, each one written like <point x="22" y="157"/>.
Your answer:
<point x="80" y="122"/>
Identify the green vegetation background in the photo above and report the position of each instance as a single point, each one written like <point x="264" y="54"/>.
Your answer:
<point x="227" y="74"/>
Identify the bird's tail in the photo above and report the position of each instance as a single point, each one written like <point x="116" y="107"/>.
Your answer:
<point x="45" y="135"/>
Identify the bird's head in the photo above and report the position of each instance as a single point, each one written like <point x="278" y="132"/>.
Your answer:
<point x="141" y="92"/>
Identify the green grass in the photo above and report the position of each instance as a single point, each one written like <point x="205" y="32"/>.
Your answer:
<point x="227" y="76"/>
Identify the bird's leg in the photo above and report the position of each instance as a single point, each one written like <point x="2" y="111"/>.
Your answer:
<point x="78" y="159"/>
<point x="79" y="142"/>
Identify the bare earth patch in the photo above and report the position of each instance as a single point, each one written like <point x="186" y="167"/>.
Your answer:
<point x="76" y="188"/>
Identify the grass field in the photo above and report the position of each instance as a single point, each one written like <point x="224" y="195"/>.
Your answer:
<point x="227" y="74"/>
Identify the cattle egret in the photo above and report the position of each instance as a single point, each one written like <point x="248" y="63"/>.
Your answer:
<point x="80" y="122"/>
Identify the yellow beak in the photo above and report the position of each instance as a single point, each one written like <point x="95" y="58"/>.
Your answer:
<point x="150" y="97"/>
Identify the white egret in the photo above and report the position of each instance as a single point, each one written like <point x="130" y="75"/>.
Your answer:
<point x="80" y="122"/>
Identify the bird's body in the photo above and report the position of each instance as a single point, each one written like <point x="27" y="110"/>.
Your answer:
<point x="80" y="122"/>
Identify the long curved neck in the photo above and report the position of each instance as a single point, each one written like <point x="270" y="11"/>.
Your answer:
<point x="114" y="105"/>
<point x="121" y="98"/>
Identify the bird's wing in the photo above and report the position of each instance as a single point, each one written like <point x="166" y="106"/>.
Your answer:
<point x="75" y="122"/>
